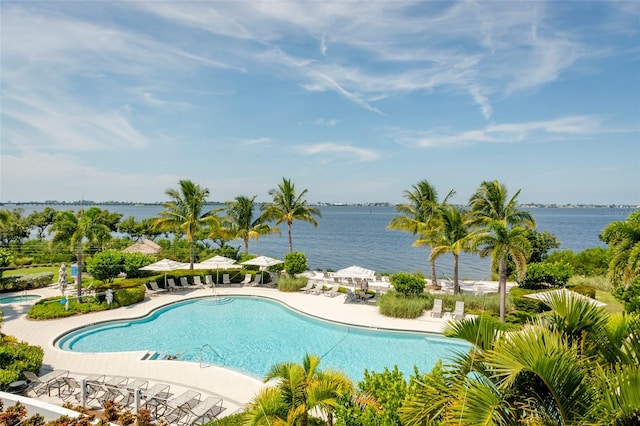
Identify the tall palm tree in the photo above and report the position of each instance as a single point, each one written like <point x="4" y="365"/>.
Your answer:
<point x="185" y="213"/>
<point x="624" y="238"/>
<point x="300" y="389"/>
<point x="499" y="216"/>
<point x="241" y="223"/>
<point x="73" y="228"/>
<point x="419" y="216"/>
<point x="451" y="236"/>
<point x="287" y="207"/>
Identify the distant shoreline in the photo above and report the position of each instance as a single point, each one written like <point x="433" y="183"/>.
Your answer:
<point x="376" y="204"/>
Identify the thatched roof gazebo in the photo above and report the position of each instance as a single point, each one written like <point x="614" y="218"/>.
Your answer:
<point x="143" y="246"/>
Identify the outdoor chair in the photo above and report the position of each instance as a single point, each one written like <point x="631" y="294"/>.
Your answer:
<point x="317" y="289"/>
<point x="225" y="279"/>
<point x="256" y="281"/>
<point x="197" y="282"/>
<point x="307" y="287"/>
<point x="205" y="411"/>
<point x="153" y="287"/>
<point x="44" y="383"/>
<point x="373" y="300"/>
<point x="181" y="405"/>
<point x="458" y="311"/>
<point x="208" y="280"/>
<point x="247" y="279"/>
<point x="333" y="292"/>
<point x="184" y="283"/>
<point x="172" y="285"/>
<point x="436" y="311"/>
<point x="351" y="297"/>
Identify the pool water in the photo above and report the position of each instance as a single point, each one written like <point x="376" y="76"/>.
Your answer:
<point x="251" y="334"/>
<point x="23" y="298"/>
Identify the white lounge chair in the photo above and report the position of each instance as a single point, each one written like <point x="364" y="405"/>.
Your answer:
<point x="226" y="280"/>
<point x="46" y="382"/>
<point x="172" y="285"/>
<point x="206" y="411"/>
<point x="247" y="279"/>
<point x="208" y="280"/>
<point x="436" y="311"/>
<point x="307" y="287"/>
<point x="152" y="288"/>
<point x="317" y="289"/>
<point x="197" y="282"/>
<point x="256" y="281"/>
<point x="184" y="283"/>
<point x="458" y="311"/>
<point x="333" y="292"/>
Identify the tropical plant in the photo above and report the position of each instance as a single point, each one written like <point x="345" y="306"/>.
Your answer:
<point x="72" y="228"/>
<point x="419" y="217"/>
<point x="41" y="220"/>
<point x="106" y="265"/>
<point x="575" y="364"/>
<point x="185" y="214"/>
<point x="287" y="207"/>
<point x="241" y="223"/>
<point x="624" y="239"/>
<point x="295" y="263"/>
<point x="451" y="236"/>
<point x="299" y="390"/>
<point x="406" y="284"/>
<point x="502" y="232"/>
<point x="546" y="274"/>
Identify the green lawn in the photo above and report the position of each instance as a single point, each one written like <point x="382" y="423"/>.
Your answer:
<point x="612" y="304"/>
<point x="35" y="270"/>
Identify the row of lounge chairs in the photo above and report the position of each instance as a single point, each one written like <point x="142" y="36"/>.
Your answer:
<point x="318" y="288"/>
<point x="458" y="310"/>
<point x="186" y="408"/>
<point x="183" y="283"/>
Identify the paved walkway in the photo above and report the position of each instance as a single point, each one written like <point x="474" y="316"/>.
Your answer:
<point x="235" y="388"/>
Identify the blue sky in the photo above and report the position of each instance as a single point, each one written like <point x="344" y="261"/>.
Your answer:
<point x="354" y="101"/>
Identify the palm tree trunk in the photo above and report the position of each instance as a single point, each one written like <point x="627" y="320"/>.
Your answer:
<point x="192" y="253"/>
<point x="79" y="274"/>
<point x="502" y="287"/>
<point x="434" y="279"/>
<point x="456" y="284"/>
<point x="290" y="240"/>
<point x="246" y="245"/>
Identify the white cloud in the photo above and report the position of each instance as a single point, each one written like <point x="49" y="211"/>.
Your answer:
<point x="323" y="46"/>
<point x="571" y="126"/>
<point x="328" y="149"/>
<point x="326" y="122"/>
<point x="256" y="141"/>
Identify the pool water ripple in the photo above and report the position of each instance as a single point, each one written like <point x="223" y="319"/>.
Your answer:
<point x="251" y="334"/>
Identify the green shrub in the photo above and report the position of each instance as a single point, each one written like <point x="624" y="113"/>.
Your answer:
<point x="134" y="261"/>
<point x="407" y="284"/>
<point x="5" y="258"/>
<point x="585" y="290"/>
<point x="295" y="263"/>
<point x="26" y="282"/>
<point x="589" y="262"/>
<point x="106" y="265"/>
<point x="232" y="420"/>
<point x="16" y="357"/>
<point x="521" y="303"/>
<point x="630" y="296"/>
<point x="474" y="304"/>
<point x="394" y="304"/>
<point x="544" y="275"/>
<point x="292" y="284"/>
<point x="129" y="296"/>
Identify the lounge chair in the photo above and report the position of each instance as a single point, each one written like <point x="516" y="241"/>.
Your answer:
<point x="153" y="288"/>
<point x="351" y="297"/>
<point x="307" y="287"/>
<point x="247" y="279"/>
<point x="436" y="311"/>
<point x="226" y="280"/>
<point x="317" y="289"/>
<point x="373" y="300"/>
<point x="181" y="405"/>
<point x="44" y="383"/>
<point x="458" y="311"/>
<point x="208" y="280"/>
<point x="326" y="275"/>
<point x="184" y="283"/>
<point x="172" y="285"/>
<point x="333" y="292"/>
<point x="256" y="281"/>
<point x="155" y="398"/>
<point x="197" y="282"/>
<point x="205" y="411"/>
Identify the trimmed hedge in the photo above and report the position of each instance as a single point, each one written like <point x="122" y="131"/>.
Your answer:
<point x="26" y="282"/>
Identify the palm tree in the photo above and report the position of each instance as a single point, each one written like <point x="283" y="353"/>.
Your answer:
<point x="287" y="207"/>
<point x="240" y="221"/>
<point x="624" y="238"/>
<point x="576" y="364"/>
<point x="452" y="236"/>
<point x="300" y="389"/>
<point x="502" y="235"/>
<point x="419" y="216"/>
<point x="185" y="213"/>
<point x="73" y="228"/>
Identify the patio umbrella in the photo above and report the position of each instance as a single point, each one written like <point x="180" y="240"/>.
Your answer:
<point x="165" y="265"/>
<point x="263" y="262"/>
<point x="355" y="272"/>
<point x="217" y="262"/>
<point x="563" y="292"/>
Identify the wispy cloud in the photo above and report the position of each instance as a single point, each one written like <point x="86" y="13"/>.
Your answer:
<point x="564" y="127"/>
<point x="256" y="141"/>
<point x="348" y="153"/>
<point x="326" y="122"/>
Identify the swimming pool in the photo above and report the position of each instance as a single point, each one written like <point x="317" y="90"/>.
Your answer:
<point x="251" y="334"/>
<point x="20" y="298"/>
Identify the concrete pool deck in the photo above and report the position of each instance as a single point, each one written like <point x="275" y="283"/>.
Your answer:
<point x="235" y="388"/>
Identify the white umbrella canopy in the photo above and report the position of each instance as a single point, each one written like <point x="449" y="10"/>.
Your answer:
<point x="546" y="296"/>
<point x="165" y="265"/>
<point x="355" y="272"/>
<point x="217" y="262"/>
<point x="263" y="262"/>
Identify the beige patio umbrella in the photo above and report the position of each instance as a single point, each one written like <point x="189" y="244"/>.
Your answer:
<point x="217" y="262"/>
<point x="165" y="265"/>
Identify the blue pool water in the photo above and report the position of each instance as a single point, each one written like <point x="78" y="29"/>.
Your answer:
<point x="22" y="298"/>
<point x="251" y="334"/>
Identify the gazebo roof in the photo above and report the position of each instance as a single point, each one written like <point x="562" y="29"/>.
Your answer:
<point x="143" y="246"/>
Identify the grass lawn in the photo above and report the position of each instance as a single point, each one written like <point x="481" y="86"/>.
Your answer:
<point x="612" y="303"/>
<point x="54" y="269"/>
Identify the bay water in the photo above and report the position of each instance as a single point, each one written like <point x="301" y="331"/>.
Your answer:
<point x="357" y="235"/>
